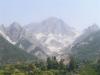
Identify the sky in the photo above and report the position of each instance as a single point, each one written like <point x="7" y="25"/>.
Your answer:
<point x="76" y="13"/>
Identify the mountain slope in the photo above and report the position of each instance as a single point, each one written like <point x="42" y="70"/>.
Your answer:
<point x="11" y="54"/>
<point x="88" y="48"/>
<point x="14" y="31"/>
<point x="51" y="25"/>
<point x="18" y="36"/>
<point x="43" y="39"/>
<point x="30" y="44"/>
<point x="53" y="33"/>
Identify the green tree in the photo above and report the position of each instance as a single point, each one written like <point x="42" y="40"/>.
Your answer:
<point x="87" y="70"/>
<point x="62" y="66"/>
<point x="52" y="63"/>
<point x="72" y="64"/>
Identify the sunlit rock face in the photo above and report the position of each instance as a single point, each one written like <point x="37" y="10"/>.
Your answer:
<point x="54" y="34"/>
<point x="43" y="39"/>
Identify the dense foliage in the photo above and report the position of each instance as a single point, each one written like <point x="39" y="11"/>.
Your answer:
<point x="51" y="67"/>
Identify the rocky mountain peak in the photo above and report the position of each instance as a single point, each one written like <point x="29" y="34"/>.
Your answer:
<point x="15" y="25"/>
<point x="92" y="28"/>
<point x="14" y="31"/>
<point x="3" y="28"/>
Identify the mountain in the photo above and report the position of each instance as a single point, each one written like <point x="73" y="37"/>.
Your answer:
<point x="29" y="43"/>
<point x="3" y="32"/>
<point x="46" y="38"/>
<point x="14" y="31"/>
<point x="11" y="54"/>
<point x="3" y="28"/>
<point x="87" y="46"/>
<point x="25" y="40"/>
<point x="51" y="37"/>
<point x="53" y="34"/>
<point x="51" y="25"/>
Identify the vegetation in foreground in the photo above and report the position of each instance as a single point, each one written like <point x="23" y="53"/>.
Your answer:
<point x="51" y="67"/>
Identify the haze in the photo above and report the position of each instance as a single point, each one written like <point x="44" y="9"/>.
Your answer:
<point x="76" y="13"/>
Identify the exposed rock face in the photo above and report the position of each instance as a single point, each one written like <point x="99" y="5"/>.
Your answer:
<point x="14" y="31"/>
<point x="47" y="38"/>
